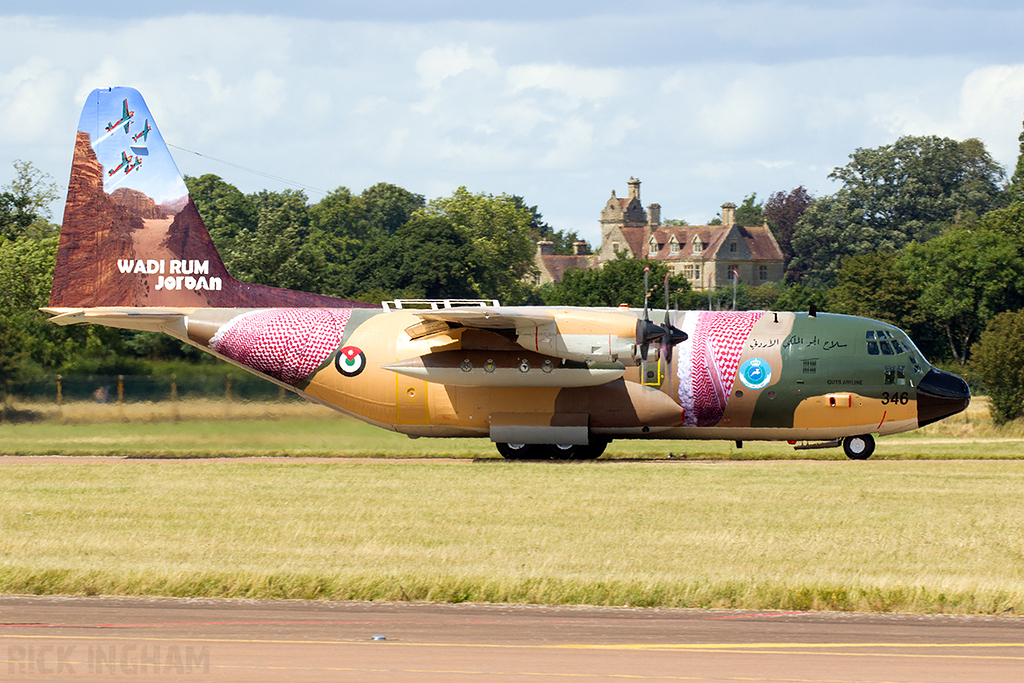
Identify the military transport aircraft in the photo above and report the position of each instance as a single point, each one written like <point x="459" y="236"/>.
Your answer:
<point x="540" y="382"/>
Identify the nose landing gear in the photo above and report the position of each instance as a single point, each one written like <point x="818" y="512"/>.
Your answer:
<point x="859" y="447"/>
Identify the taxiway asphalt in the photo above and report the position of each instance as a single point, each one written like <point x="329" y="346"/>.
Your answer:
<point x="151" y="639"/>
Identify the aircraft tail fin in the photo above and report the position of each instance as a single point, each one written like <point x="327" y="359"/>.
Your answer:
<point x="132" y="236"/>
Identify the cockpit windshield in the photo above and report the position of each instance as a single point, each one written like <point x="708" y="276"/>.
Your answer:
<point x="890" y="343"/>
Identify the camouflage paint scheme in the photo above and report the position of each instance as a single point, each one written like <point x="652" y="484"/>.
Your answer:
<point x="539" y="381"/>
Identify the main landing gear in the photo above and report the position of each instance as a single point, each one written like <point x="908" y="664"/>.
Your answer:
<point x="859" y="447"/>
<point x="532" y="451"/>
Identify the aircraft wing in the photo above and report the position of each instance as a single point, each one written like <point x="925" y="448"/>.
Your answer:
<point x="486" y="318"/>
<point x="577" y="334"/>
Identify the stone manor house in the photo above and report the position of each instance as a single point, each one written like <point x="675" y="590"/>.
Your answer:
<point x="709" y="256"/>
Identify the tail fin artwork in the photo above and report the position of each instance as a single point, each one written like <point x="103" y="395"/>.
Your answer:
<point x="132" y="236"/>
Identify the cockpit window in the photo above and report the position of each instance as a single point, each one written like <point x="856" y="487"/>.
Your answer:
<point x="897" y="347"/>
<point x="873" y="347"/>
<point x="871" y="334"/>
<point x="886" y="348"/>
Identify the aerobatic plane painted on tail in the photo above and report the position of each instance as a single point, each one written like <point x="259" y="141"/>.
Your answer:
<point x="540" y="382"/>
<point x="128" y="163"/>
<point x="144" y="133"/>
<point x="126" y="118"/>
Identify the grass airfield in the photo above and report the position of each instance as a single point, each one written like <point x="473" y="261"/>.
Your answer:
<point x="931" y="524"/>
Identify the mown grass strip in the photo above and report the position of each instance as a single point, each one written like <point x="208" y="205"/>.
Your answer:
<point x="927" y="537"/>
<point x="226" y="428"/>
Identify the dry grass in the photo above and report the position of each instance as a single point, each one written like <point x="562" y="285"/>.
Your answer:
<point x="886" y="536"/>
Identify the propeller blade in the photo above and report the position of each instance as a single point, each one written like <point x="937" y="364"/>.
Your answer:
<point x="671" y="335"/>
<point x="647" y="289"/>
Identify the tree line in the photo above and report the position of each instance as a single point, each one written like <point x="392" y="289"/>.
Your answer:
<point x="926" y="233"/>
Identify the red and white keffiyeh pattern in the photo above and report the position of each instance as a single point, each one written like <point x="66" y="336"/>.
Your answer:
<point x="709" y="360"/>
<point x="288" y="344"/>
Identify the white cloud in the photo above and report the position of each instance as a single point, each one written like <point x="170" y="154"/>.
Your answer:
<point x="438" y="64"/>
<point x="687" y="96"/>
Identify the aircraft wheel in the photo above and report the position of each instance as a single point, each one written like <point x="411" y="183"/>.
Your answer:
<point x="521" y="451"/>
<point x="563" y="451"/>
<point x="592" y="451"/>
<point x="859" y="447"/>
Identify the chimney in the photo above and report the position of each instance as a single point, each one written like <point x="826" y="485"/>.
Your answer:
<point x="545" y="248"/>
<point x="654" y="215"/>
<point x="580" y="248"/>
<point x="728" y="214"/>
<point x="634" y="188"/>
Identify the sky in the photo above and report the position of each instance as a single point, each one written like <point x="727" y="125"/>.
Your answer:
<point x="558" y="102"/>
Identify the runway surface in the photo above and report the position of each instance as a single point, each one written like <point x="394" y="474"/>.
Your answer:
<point x="45" y="638"/>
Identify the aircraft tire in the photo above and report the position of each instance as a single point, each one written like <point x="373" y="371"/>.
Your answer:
<point x="859" y="447"/>
<point x="592" y="451"/>
<point x="522" y="451"/>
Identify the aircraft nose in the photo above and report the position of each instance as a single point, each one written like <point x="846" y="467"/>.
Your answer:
<point x="940" y="394"/>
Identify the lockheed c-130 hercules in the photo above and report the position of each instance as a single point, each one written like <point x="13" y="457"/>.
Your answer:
<point x="540" y="382"/>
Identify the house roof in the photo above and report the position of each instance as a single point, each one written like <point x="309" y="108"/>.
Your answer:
<point x="759" y="241"/>
<point x="557" y="266"/>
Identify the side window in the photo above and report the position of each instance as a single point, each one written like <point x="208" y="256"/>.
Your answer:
<point x="901" y="374"/>
<point x="890" y="374"/>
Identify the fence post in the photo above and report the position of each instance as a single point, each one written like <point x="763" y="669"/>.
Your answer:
<point x="227" y="395"/>
<point x="174" y="398"/>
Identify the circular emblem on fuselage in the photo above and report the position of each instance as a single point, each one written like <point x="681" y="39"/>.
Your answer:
<point x="350" y="361"/>
<point x="755" y="373"/>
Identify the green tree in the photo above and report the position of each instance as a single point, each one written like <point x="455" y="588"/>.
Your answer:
<point x="998" y="358"/>
<point x="225" y="210"/>
<point x="750" y="213"/>
<point x="872" y="285"/>
<point x="389" y="207"/>
<point x="29" y="344"/>
<point x="893" y="195"/>
<point x="427" y="257"/>
<point x="1016" y="186"/>
<point x="621" y="281"/>
<point x="965" y="278"/>
<point x="499" y="229"/>
<point x="25" y="203"/>
<point x="799" y="297"/>
<point x="338" y="225"/>
<point x="278" y="252"/>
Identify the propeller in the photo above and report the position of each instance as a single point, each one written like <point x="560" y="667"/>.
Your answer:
<point x="647" y="331"/>
<point x="672" y="335"/>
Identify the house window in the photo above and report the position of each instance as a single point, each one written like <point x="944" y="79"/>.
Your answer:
<point x="762" y="272"/>
<point x="615" y="247"/>
<point x="732" y="273"/>
<point x="653" y="246"/>
<point x="733" y="246"/>
<point x="698" y="246"/>
<point x="673" y="247"/>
